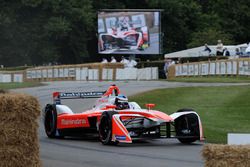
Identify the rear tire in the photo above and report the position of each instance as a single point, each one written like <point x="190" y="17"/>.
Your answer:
<point x="50" y="121"/>
<point x="105" y="128"/>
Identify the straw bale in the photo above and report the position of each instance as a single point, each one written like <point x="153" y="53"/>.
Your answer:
<point x="18" y="130"/>
<point x="216" y="155"/>
<point x="3" y="91"/>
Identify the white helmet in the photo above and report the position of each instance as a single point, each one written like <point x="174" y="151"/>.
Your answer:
<point x="121" y="102"/>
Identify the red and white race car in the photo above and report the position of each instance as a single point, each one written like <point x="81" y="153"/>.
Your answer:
<point x="116" y="119"/>
<point x="124" y="38"/>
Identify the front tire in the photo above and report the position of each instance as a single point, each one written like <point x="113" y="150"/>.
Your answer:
<point x="187" y="127"/>
<point x="105" y="128"/>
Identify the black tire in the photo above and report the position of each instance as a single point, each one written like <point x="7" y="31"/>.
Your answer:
<point x="185" y="110"/>
<point x="50" y="120"/>
<point x="187" y="141"/>
<point x="105" y="128"/>
<point x="187" y="127"/>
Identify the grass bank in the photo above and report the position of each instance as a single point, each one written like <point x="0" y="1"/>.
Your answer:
<point x="15" y="68"/>
<point x="222" y="109"/>
<point x="6" y="86"/>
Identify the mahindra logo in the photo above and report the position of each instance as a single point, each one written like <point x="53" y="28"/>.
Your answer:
<point x="73" y="122"/>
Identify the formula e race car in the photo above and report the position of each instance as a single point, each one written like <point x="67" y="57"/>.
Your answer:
<point x="124" y="39"/>
<point x="115" y="119"/>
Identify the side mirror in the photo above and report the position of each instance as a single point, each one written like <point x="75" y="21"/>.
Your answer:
<point x="150" y="106"/>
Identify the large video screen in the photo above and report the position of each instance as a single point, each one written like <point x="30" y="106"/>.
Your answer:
<point x="129" y="32"/>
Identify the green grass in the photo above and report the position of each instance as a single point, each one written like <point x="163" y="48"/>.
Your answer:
<point x="15" y="68"/>
<point x="6" y="86"/>
<point x="228" y="79"/>
<point x="222" y="109"/>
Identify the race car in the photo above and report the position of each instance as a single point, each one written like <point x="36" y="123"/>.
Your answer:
<point x="124" y="38"/>
<point x="116" y="120"/>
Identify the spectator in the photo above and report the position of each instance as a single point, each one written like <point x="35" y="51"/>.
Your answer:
<point x="238" y="53"/>
<point x="104" y="60"/>
<point x="226" y="52"/>
<point x="172" y="62"/>
<point x="124" y="61"/>
<point x="113" y="60"/>
<point x="248" y="49"/>
<point x="219" y="48"/>
<point x="168" y="62"/>
<point x="178" y="61"/>
<point x="131" y="63"/>
<point x="207" y="49"/>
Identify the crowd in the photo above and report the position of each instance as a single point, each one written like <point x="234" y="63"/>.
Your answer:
<point x="219" y="48"/>
<point x="223" y="51"/>
<point x="128" y="63"/>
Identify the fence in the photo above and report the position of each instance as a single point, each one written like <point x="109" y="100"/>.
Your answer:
<point x="232" y="67"/>
<point x="81" y="72"/>
<point x="6" y="77"/>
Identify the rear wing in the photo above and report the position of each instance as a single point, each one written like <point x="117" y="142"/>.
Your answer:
<point x="113" y="90"/>
<point x="58" y="96"/>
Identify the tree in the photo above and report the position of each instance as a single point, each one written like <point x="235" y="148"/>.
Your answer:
<point x="36" y="32"/>
<point x="179" y="20"/>
<point x="209" y="36"/>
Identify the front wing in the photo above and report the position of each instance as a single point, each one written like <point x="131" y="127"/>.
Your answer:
<point x="154" y="128"/>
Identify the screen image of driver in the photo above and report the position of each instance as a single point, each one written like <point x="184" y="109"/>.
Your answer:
<point x="121" y="102"/>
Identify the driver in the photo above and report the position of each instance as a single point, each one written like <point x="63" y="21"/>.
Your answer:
<point x="121" y="102"/>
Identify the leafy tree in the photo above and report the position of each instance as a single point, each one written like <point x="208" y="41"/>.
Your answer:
<point x="36" y="32"/>
<point x="179" y="20"/>
<point x="209" y="36"/>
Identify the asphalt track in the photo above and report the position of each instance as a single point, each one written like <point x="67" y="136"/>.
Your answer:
<point x="89" y="152"/>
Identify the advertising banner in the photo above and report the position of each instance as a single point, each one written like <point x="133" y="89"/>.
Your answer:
<point x="212" y="69"/>
<point x="218" y="68"/>
<point x="44" y="73"/>
<point x="229" y="67"/>
<point x="61" y="73"/>
<point x="222" y="68"/>
<point x="191" y="69"/>
<point x="204" y="69"/>
<point x="18" y="77"/>
<point x="50" y="73"/>
<point x="55" y="73"/>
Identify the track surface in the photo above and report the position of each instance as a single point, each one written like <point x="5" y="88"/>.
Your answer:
<point x="89" y="152"/>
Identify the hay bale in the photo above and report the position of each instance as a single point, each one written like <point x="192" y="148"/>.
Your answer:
<point x="18" y="130"/>
<point x="217" y="155"/>
<point x="2" y="91"/>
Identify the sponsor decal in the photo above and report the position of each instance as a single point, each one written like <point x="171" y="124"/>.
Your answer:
<point x="81" y="94"/>
<point x="73" y="121"/>
<point x="118" y="137"/>
<point x="103" y="100"/>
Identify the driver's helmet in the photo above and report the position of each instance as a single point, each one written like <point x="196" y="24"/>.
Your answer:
<point x="121" y="102"/>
